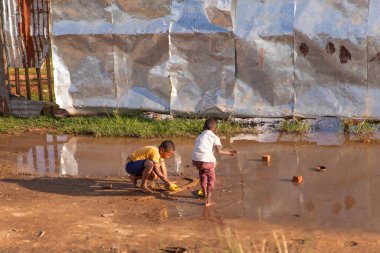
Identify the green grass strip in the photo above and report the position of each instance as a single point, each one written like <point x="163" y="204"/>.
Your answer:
<point x="115" y="126"/>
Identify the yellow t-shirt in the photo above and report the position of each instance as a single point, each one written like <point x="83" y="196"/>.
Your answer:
<point x="148" y="152"/>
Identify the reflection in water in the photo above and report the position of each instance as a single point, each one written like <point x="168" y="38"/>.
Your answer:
<point x="42" y="159"/>
<point x="177" y="162"/>
<point x="69" y="165"/>
<point x="336" y="207"/>
<point x="180" y="208"/>
<point x="164" y="214"/>
<point x="349" y="202"/>
<point x="310" y="206"/>
<point x="346" y="195"/>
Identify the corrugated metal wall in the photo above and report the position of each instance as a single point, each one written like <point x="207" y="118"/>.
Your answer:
<point x="245" y="58"/>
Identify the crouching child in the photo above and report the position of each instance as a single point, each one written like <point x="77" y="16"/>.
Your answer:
<point x="149" y="163"/>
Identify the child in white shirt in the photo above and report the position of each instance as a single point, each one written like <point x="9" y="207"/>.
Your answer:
<point x="204" y="159"/>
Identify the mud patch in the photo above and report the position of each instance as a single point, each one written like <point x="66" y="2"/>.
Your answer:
<point x="330" y="48"/>
<point x="304" y="48"/>
<point x="344" y="55"/>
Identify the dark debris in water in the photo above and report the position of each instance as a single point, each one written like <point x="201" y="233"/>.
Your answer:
<point x="175" y="250"/>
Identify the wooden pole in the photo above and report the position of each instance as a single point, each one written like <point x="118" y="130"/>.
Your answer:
<point x="4" y="94"/>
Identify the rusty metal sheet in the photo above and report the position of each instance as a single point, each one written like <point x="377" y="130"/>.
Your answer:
<point x="25" y="32"/>
<point x="264" y="58"/>
<point x="374" y="59"/>
<point x="219" y="12"/>
<point x="331" y="58"/>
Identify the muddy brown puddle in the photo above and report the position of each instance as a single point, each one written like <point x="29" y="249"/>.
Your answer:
<point x="346" y="195"/>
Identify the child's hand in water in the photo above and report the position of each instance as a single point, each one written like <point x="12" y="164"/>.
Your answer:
<point x="173" y="187"/>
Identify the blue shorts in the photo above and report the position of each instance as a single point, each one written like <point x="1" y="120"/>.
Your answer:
<point x="135" y="168"/>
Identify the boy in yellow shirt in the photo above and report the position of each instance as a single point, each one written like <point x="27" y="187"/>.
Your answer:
<point x="148" y="163"/>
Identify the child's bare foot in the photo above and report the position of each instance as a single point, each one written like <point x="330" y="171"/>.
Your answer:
<point x="134" y="180"/>
<point x="209" y="204"/>
<point x="146" y="189"/>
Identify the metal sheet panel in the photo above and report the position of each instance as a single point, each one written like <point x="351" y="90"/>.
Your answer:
<point x="25" y="32"/>
<point x="80" y="17"/>
<point x="331" y="58"/>
<point x="84" y="72"/>
<point x="140" y="16"/>
<point x="202" y="71"/>
<point x="123" y="52"/>
<point x="189" y="16"/>
<point x="219" y="12"/>
<point x="374" y="59"/>
<point x="307" y="58"/>
<point x="142" y="72"/>
<point x="202" y="61"/>
<point x="264" y="58"/>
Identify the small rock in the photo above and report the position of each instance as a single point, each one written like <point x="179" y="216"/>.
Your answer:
<point x="176" y="250"/>
<point x="107" y="187"/>
<point x="266" y="158"/>
<point x="42" y="233"/>
<point x="106" y="215"/>
<point x="299" y="241"/>
<point x="353" y="243"/>
<point x="297" y="179"/>
<point x="321" y="168"/>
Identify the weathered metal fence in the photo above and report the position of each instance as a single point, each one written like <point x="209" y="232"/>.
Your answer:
<point x="243" y="58"/>
<point x="31" y="83"/>
<point x="26" y="38"/>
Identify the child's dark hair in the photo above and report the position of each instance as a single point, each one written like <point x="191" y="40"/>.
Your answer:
<point x="210" y="124"/>
<point x="167" y="145"/>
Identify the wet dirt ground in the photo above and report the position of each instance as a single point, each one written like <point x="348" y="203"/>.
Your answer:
<point x="55" y="196"/>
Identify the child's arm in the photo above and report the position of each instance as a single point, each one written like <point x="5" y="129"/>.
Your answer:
<point x="222" y="151"/>
<point x="163" y="169"/>
<point x="162" y="174"/>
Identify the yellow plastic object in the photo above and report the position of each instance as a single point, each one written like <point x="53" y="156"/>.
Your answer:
<point x="201" y="193"/>
<point x="174" y="187"/>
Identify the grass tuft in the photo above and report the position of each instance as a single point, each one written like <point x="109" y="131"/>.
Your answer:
<point x="364" y="128"/>
<point x="298" y="127"/>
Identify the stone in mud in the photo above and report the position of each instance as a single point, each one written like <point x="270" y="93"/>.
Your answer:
<point x="107" y="187"/>
<point x="297" y="179"/>
<point x="175" y="250"/>
<point x="321" y="168"/>
<point x="266" y="158"/>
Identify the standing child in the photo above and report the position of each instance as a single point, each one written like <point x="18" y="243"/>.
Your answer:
<point x="204" y="159"/>
<point x="148" y="163"/>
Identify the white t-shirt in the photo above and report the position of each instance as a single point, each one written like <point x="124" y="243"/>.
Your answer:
<point x="204" y="147"/>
